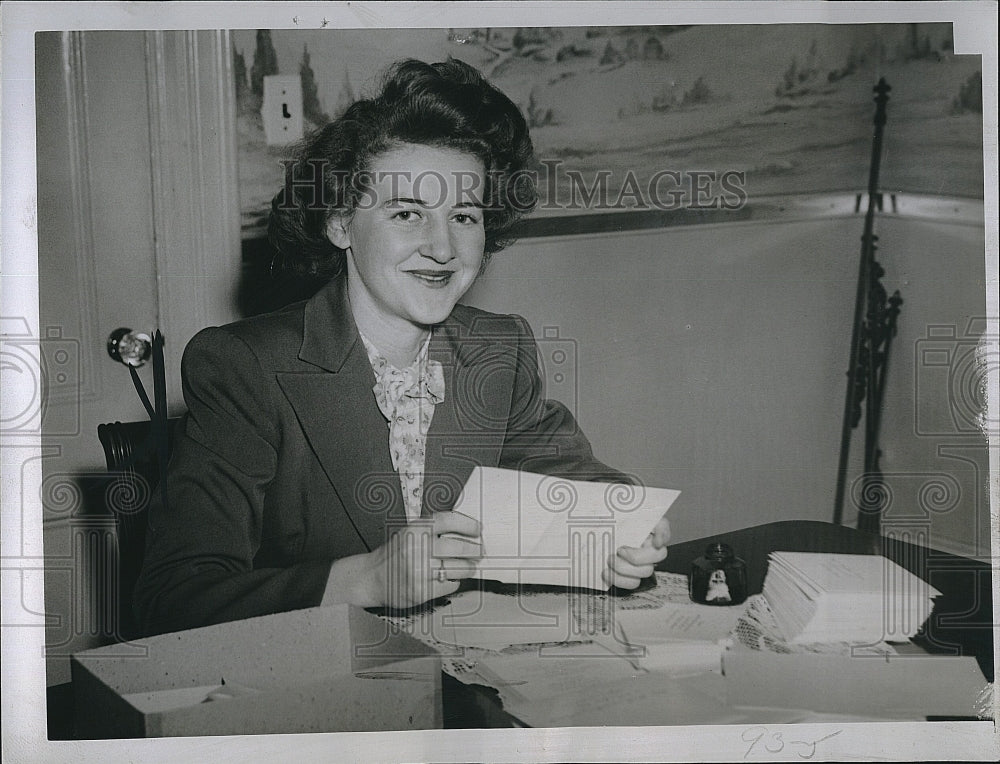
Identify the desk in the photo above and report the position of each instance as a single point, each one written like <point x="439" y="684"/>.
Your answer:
<point x="961" y="624"/>
<point x="962" y="621"/>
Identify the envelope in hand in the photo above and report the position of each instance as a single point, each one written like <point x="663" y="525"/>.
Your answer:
<point x="540" y="529"/>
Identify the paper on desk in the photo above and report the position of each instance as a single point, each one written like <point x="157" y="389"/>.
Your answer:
<point x="541" y="529"/>
<point x="683" y="658"/>
<point x="674" y="635"/>
<point x="645" y="699"/>
<point x="907" y="686"/>
<point x="545" y="672"/>
<point x="673" y="621"/>
<point x="492" y="621"/>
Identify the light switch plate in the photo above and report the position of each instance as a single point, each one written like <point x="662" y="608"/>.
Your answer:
<point x="282" y="109"/>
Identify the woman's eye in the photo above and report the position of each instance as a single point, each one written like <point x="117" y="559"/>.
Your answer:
<point x="406" y="215"/>
<point x="465" y="219"/>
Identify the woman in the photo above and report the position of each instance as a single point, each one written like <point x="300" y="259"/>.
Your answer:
<point x="326" y="443"/>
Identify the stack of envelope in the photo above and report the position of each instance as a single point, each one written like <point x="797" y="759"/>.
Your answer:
<point x="853" y="598"/>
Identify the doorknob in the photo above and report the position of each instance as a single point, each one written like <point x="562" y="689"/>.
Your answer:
<point x="129" y="348"/>
<point x="133" y="349"/>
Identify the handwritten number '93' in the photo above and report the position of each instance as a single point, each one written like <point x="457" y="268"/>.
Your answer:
<point x="773" y="742"/>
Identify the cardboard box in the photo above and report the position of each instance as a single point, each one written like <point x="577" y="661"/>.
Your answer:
<point x="327" y="669"/>
<point x="912" y="685"/>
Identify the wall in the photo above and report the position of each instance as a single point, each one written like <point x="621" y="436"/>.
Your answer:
<point x="712" y="359"/>
<point x="934" y="454"/>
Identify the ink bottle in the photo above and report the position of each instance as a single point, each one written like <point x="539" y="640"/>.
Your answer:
<point x="719" y="577"/>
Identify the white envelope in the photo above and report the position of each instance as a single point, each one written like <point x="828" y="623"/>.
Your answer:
<point x="540" y="529"/>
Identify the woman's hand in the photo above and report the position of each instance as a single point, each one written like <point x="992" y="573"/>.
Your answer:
<point x="423" y="561"/>
<point x="629" y="565"/>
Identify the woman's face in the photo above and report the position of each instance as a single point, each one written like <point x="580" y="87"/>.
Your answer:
<point x="415" y="243"/>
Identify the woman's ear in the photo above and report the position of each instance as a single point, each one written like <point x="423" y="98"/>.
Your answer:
<point x="336" y="230"/>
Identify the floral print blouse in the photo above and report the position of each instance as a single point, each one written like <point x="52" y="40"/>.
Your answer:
<point x="406" y="397"/>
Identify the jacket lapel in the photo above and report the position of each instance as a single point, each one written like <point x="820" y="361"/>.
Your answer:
<point x="337" y="411"/>
<point x="468" y="427"/>
<point x="339" y="416"/>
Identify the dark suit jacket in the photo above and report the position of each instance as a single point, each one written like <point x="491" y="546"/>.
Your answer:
<point x="282" y="463"/>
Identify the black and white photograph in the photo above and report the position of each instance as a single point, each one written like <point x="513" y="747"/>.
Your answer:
<point x="391" y="382"/>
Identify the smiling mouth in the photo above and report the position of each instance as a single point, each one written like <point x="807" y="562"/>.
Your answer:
<point x="432" y="278"/>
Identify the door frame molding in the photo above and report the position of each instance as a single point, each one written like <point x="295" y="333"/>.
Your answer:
<point x="196" y="212"/>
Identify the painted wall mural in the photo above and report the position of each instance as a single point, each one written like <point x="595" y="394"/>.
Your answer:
<point x="783" y="109"/>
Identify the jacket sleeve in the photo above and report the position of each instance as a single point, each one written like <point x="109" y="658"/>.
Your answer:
<point x="542" y="435"/>
<point x="205" y="521"/>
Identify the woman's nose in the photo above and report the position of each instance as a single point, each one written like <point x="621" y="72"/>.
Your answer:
<point x="437" y="243"/>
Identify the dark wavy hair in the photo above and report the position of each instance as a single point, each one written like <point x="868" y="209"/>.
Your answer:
<point x="445" y="105"/>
